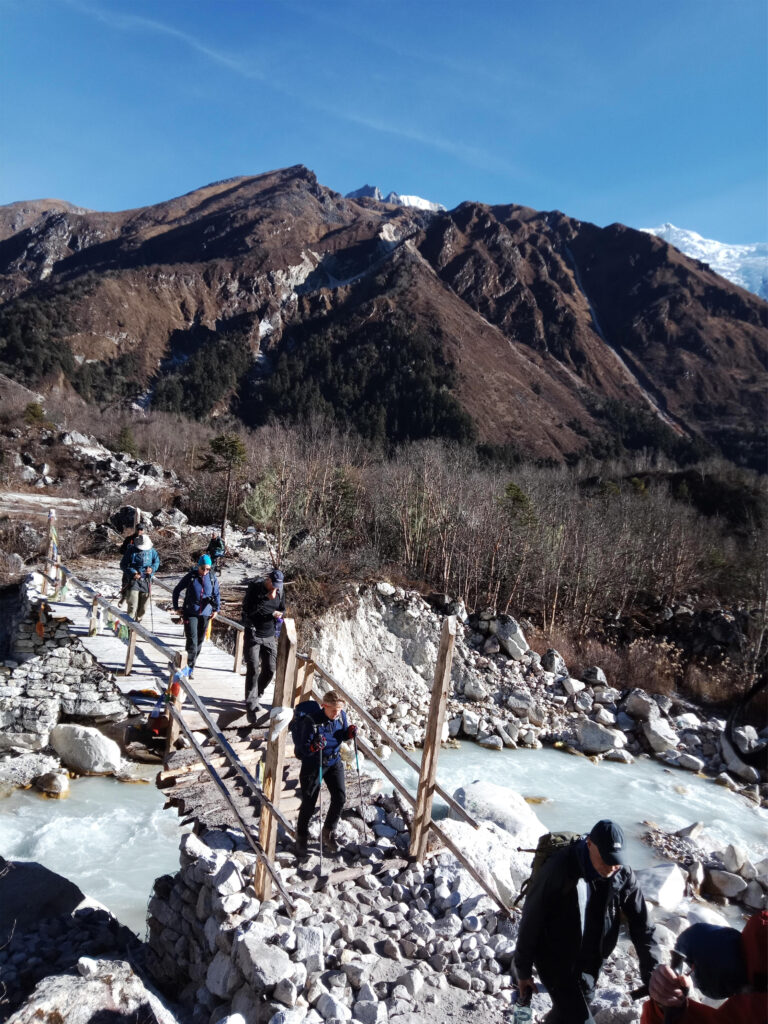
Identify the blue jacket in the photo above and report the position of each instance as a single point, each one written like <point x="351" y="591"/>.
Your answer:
<point x="137" y="561"/>
<point x="201" y="594"/>
<point x="311" y="721"/>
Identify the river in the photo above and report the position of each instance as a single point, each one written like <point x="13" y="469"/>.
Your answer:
<point x="113" y="839"/>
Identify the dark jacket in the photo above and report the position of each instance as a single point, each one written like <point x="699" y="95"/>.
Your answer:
<point x="216" y="548"/>
<point x="311" y="722"/>
<point x="258" y="609"/>
<point x="201" y="594"/>
<point x="551" y="935"/>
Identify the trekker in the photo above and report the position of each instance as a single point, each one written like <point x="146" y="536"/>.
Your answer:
<point x="263" y="609"/>
<point x="216" y="550"/>
<point x="571" y="918"/>
<point x="138" y="563"/>
<point x="201" y="602"/>
<point x="131" y="539"/>
<point x="725" y="964"/>
<point x="318" y="732"/>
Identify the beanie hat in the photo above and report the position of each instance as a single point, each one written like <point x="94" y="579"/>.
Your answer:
<point x="205" y="560"/>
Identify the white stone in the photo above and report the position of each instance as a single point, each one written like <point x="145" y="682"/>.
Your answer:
<point x="331" y="1008"/>
<point x="85" y="750"/>
<point x="663" y="885"/>
<point x="222" y="977"/>
<point x="724" y="883"/>
<point x="734" y="857"/>
<point x="572" y="686"/>
<point x="597" y="739"/>
<point x="660" y="734"/>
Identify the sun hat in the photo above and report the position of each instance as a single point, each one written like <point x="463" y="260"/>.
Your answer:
<point x="143" y="543"/>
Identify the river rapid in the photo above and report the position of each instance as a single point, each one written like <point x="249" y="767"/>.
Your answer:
<point x="113" y="839"/>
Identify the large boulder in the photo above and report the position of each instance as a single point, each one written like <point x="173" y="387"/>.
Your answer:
<point x="597" y="739"/>
<point x="660" y="734"/>
<point x="30" y="893"/>
<point x="641" y="705"/>
<point x="486" y="801"/>
<point x="86" y="750"/>
<point x="553" y="661"/>
<point x="494" y="853"/>
<point x="510" y="636"/>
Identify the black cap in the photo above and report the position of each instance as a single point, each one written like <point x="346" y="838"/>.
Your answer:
<point x="276" y="576"/>
<point x="608" y="837"/>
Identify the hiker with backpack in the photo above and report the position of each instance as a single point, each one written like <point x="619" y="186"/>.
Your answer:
<point x="216" y="550"/>
<point x="573" y="906"/>
<point x="138" y="563"/>
<point x="263" y="611"/>
<point x="201" y="602"/>
<point x="318" y="730"/>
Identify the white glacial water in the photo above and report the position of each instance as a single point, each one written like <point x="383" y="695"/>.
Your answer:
<point x="113" y="839"/>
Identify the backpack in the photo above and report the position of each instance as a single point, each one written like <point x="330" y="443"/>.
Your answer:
<point x="295" y="727"/>
<point x="548" y="844"/>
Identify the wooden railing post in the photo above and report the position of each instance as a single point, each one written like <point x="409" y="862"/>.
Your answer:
<point x="131" y="651"/>
<point x="52" y="551"/>
<point x="239" y="643"/>
<point x="275" y="756"/>
<point x="177" y="699"/>
<point x="93" y="622"/>
<point x="307" y="678"/>
<point x="427" y="777"/>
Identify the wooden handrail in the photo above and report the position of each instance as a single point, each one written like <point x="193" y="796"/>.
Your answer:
<point x="390" y="740"/>
<point x="219" y="617"/>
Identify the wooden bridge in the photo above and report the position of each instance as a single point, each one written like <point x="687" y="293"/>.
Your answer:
<point x="219" y="770"/>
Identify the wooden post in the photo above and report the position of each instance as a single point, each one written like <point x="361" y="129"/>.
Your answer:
<point x="131" y="651"/>
<point x="423" y="814"/>
<point x="239" y="643"/>
<point x="52" y="551"/>
<point x="304" y="692"/>
<point x="179" y="662"/>
<point x="93" y="622"/>
<point x="275" y="756"/>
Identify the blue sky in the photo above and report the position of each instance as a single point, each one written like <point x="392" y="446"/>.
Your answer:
<point x="609" y="110"/>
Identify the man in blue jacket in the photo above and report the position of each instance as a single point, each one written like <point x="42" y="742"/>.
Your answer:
<point x="318" y="732"/>
<point x="201" y="602"/>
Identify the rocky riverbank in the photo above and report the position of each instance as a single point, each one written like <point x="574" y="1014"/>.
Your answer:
<point x="383" y="645"/>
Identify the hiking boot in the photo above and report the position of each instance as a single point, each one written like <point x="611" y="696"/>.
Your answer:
<point x="300" y="846"/>
<point x="330" y="842"/>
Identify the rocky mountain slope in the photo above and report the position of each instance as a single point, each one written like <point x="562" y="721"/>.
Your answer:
<point x="274" y="293"/>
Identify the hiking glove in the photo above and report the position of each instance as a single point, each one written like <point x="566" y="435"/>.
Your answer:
<point x="317" y="744"/>
<point x="351" y="732"/>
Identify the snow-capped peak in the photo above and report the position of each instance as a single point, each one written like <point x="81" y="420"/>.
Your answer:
<point x="744" y="265"/>
<point x="373" y="192"/>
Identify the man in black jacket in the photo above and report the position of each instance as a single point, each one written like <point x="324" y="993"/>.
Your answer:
<point x="263" y="609"/>
<point x="571" y="919"/>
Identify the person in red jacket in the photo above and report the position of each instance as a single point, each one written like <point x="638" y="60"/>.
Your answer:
<point x="724" y="964"/>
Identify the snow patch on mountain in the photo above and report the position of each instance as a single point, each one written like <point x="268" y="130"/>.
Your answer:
<point x="373" y="192"/>
<point x="744" y="265"/>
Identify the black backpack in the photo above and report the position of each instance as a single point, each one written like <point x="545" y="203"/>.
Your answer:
<point x="299" y="712"/>
<point x="548" y="844"/>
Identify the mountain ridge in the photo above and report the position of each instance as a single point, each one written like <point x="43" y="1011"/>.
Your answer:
<point x="549" y="333"/>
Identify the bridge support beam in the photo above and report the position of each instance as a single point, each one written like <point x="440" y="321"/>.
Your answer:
<point x="422" y="816"/>
<point x="274" y="761"/>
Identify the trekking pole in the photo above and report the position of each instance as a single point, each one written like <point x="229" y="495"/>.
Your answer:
<point x="360" y="790"/>
<point x="151" y="607"/>
<point x="321" y="809"/>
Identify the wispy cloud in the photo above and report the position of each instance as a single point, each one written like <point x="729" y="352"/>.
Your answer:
<point x="472" y="155"/>
<point x="134" y="23"/>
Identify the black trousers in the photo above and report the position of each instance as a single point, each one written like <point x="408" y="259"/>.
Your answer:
<point x="569" y="1001"/>
<point x="309" y="784"/>
<point x="261" y="660"/>
<point x="194" y="631"/>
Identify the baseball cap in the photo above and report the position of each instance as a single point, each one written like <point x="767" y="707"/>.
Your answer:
<point x="276" y="576"/>
<point x="608" y="837"/>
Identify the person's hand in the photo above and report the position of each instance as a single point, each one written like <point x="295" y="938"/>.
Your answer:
<point x="148" y="570"/>
<point x="526" y="987"/>
<point x="317" y="744"/>
<point x="277" y="615"/>
<point x="667" y="988"/>
<point x="351" y="732"/>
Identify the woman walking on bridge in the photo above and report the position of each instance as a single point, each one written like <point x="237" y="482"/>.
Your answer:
<point x="201" y="602"/>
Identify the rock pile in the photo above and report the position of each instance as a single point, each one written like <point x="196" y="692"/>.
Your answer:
<point x="504" y="695"/>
